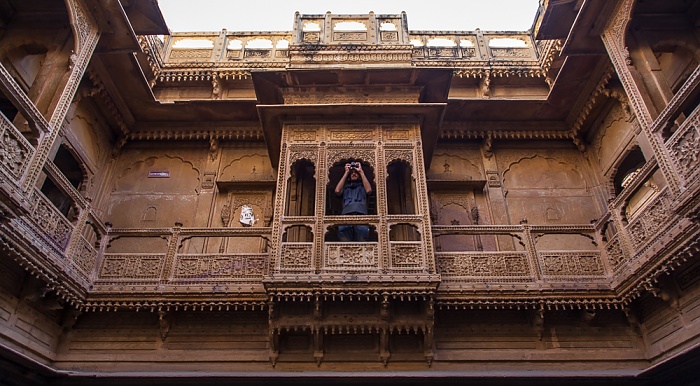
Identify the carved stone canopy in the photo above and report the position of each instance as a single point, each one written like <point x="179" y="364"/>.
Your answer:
<point x="428" y="110"/>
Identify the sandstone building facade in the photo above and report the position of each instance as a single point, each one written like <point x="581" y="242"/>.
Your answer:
<point x="168" y="216"/>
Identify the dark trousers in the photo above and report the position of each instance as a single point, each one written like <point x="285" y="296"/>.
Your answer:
<point x="353" y="232"/>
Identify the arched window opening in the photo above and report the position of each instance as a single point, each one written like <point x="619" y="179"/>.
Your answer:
<point x="400" y="196"/>
<point x="332" y="234"/>
<point x="301" y="189"/>
<point x="7" y="108"/>
<point x="70" y="167"/>
<point x="298" y="234"/>
<point x="404" y="232"/>
<point x="334" y="203"/>
<point x="628" y="168"/>
<point x="90" y="234"/>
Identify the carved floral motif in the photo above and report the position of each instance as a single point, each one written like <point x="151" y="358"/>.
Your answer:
<point x="204" y="267"/>
<point x="686" y="149"/>
<point x="651" y="220"/>
<point x="350" y="255"/>
<point x="51" y="220"/>
<point x="571" y="263"/>
<point x="85" y="257"/>
<point x="296" y="255"/>
<point x="191" y="54"/>
<point x="512" y="264"/>
<point x="616" y="256"/>
<point x="406" y="255"/>
<point x="13" y="152"/>
<point x="123" y="266"/>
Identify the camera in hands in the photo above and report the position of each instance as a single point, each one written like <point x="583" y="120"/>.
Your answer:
<point x="354" y="165"/>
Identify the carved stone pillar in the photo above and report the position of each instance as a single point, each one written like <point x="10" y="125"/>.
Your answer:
<point x="614" y="39"/>
<point x="86" y="36"/>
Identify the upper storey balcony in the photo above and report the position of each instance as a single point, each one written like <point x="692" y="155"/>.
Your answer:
<point x="369" y="40"/>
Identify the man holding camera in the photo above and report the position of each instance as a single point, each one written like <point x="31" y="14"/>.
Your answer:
<point x="354" y="190"/>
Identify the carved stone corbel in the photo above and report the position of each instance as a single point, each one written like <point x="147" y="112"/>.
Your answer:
<point x="538" y="321"/>
<point x="164" y="324"/>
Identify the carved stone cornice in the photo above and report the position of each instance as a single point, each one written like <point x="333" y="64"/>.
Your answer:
<point x="550" y="52"/>
<point x="22" y="245"/>
<point x="536" y="303"/>
<point x="593" y="100"/>
<point x="135" y="304"/>
<point x="175" y="134"/>
<point x="456" y="131"/>
<point x="110" y="104"/>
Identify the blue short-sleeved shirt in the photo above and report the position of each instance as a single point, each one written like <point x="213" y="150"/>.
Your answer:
<point x="354" y="198"/>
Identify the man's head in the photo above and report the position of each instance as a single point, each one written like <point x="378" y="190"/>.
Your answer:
<point x="354" y="175"/>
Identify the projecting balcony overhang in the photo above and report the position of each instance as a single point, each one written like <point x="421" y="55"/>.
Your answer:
<point x="344" y="95"/>
<point x="427" y="115"/>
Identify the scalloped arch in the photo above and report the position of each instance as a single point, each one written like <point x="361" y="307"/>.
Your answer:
<point x="135" y="165"/>
<point x="545" y="180"/>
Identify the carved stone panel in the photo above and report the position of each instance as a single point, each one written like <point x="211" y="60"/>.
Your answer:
<point x="296" y="256"/>
<point x="208" y="267"/>
<point x="132" y="266"/>
<point x="14" y="149"/>
<point x="84" y="258"/>
<point x="351" y="256"/>
<point x="685" y="148"/>
<point x="571" y="263"/>
<point x="407" y="255"/>
<point x="497" y="265"/>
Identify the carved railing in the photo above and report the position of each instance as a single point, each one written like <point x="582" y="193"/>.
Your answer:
<point x="171" y="267"/>
<point x="269" y="49"/>
<point x="616" y="255"/>
<point x="684" y="148"/>
<point x="239" y="49"/>
<point x="55" y="226"/>
<point x="483" y="266"/>
<point x="351" y="257"/>
<point x="84" y="258"/>
<point x="219" y="267"/>
<point x="526" y="263"/>
<point x="297" y="257"/>
<point x="407" y="256"/>
<point x="131" y="267"/>
<point x="650" y="220"/>
<point x="471" y="46"/>
<point x="15" y="151"/>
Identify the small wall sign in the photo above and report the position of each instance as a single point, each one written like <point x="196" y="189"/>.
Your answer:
<point x="161" y="174"/>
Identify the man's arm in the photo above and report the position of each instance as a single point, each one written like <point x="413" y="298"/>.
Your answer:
<point x="365" y="181"/>
<point x="341" y="183"/>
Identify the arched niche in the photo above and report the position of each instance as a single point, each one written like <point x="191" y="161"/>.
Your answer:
<point x="298" y="234"/>
<point x="301" y="189"/>
<point x="247" y="167"/>
<point x="74" y="171"/>
<point x="159" y="174"/>
<point x="400" y="188"/>
<point x="539" y="172"/>
<point x="404" y="232"/>
<point x="627" y="169"/>
<point x="334" y="204"/>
